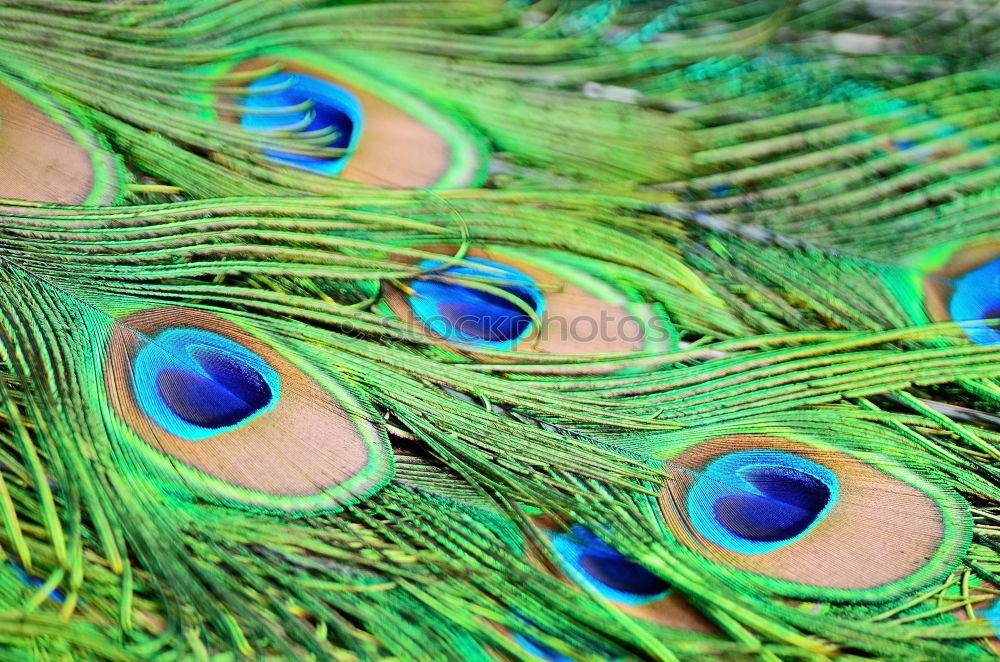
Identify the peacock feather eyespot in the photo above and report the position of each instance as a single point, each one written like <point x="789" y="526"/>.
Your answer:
<point x="584" y="558"/>
<point x="521" y="299"/>
<point x="306" y="105"/>
<point x="195" y="383"/>
<point x="611" y="573"/>
<point x="463" y="313"/>
<point x="753" y="502"/>
<point x="768" y="507"/>
<point x="214" y="409"/>
<point x="390" y="137"/>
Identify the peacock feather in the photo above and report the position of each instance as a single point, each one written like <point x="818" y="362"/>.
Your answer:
<point x="488" y="330"/>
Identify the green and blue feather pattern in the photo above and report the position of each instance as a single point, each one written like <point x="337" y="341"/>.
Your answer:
<point x="489" y="330"/>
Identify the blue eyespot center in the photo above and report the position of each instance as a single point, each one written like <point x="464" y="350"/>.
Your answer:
<point x="470" y="315"/>
<point x="229" y="392"/>
<point x="754" y="502"/>
<point x="623" y="575"/>
<point x="789" y="504"/>
<point x="611" y="573"/>
<point x="335" y="118"/>
<point x="195" y="384"/>
<point x="976" y="297"/>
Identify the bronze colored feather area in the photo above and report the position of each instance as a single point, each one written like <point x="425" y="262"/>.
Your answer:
<point x="45" y="156"/>
<point x="308" y="443"/>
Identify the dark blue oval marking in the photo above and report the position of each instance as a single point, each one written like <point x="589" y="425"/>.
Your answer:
<point x="229" y="392"/>
<point x="614" y="575"/>
<point x="468" y="315"/>
<point x="790" y="503"/>
<point x="334" y="109"/>
<point x="195" y="384"/>
<point x="756" y="501"/>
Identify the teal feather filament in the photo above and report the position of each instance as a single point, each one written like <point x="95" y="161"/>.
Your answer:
<point x="754" y="502"/>
<point x="195" y="384"/>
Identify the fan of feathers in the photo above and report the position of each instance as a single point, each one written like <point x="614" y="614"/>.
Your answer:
<point x="599" y="330"/>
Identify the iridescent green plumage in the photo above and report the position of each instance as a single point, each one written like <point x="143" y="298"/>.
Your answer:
<point x="302" y="394"/>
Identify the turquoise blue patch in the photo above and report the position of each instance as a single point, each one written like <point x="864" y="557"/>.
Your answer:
<point x="270" y="108"/>
<point x="754" y="502"/>
<point x="612" y="574"/>
<point x="468" y="315"/>
<point x="538" y="650"/>
<point x="992" y="614"/>
<point x="196" y="384"/>
<point x="977" y="297"/>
